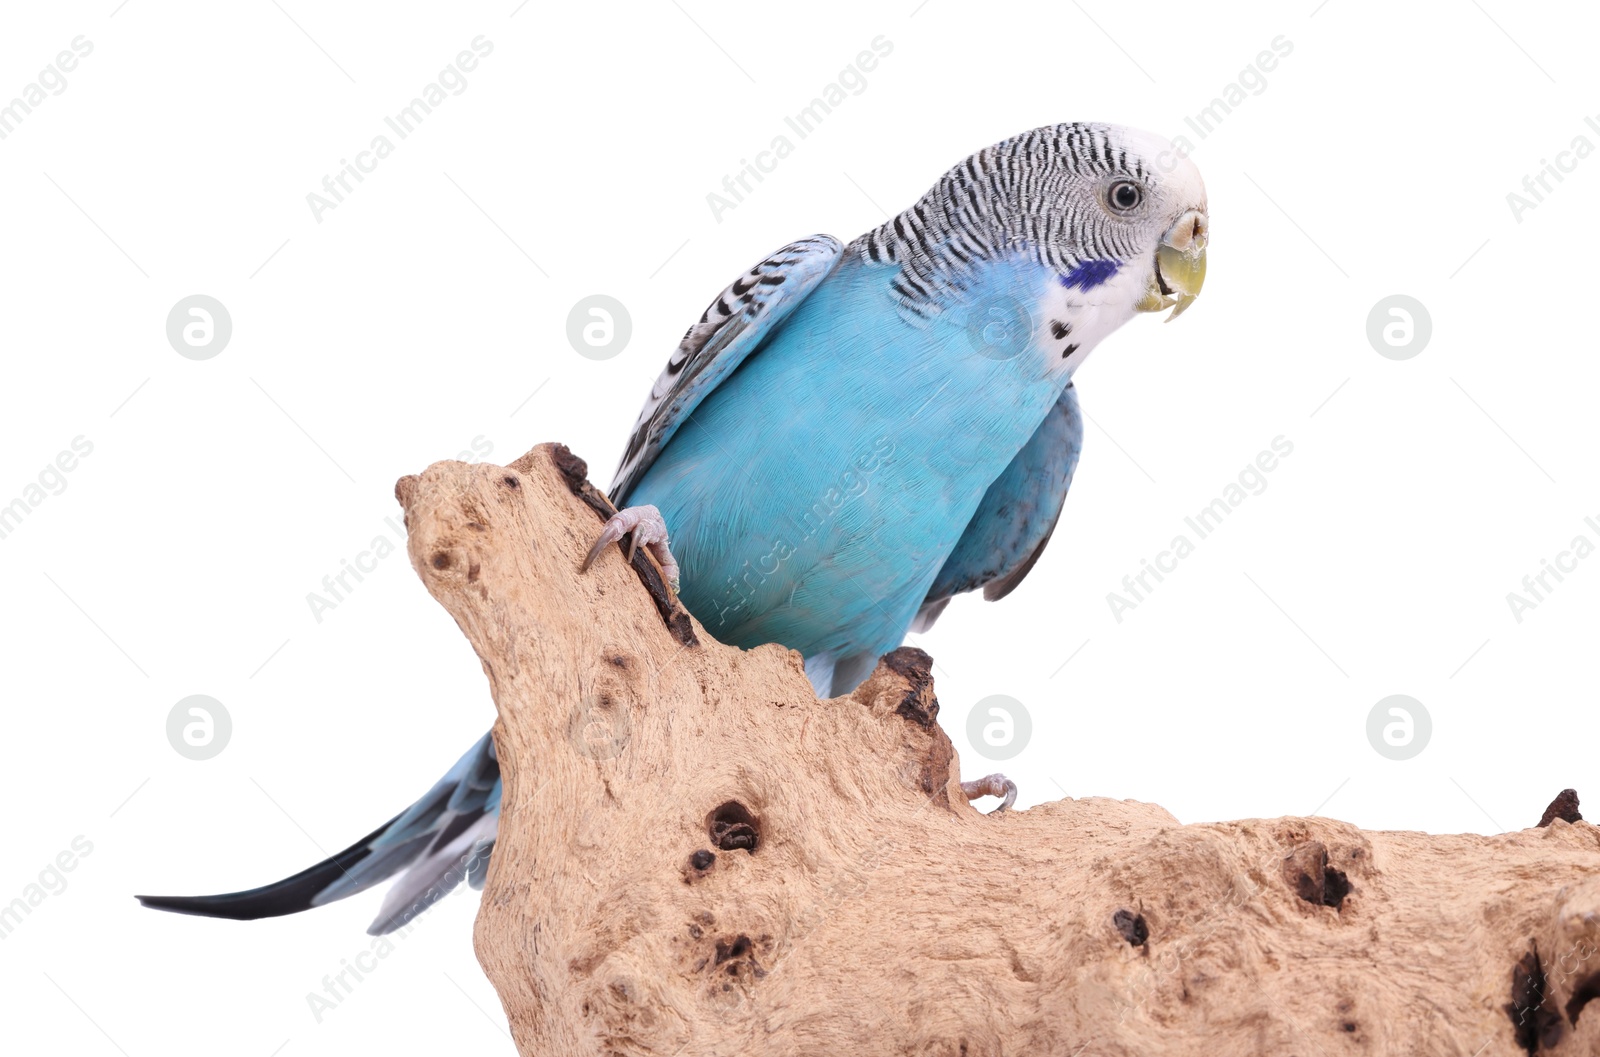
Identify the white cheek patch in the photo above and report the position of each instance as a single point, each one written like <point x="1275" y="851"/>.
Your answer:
<point x="1071" y="320"/>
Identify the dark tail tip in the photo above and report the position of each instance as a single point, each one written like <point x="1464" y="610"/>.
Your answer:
<point x="237" y="906"/>
<point x="288" y="896"/>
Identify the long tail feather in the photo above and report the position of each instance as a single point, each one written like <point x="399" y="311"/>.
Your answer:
<point x="288" y="896"/>
<point x="444" y="838"/>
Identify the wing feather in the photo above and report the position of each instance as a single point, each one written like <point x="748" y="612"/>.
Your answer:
<point x="731" y="328"/>
<point x="1016" y="518"/>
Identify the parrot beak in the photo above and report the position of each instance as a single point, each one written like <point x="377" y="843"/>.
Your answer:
<point x="1180" y="266"/>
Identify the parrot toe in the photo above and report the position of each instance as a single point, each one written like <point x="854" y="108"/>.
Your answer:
<point x="648" y="529"/>
<point x="992" y="785"/>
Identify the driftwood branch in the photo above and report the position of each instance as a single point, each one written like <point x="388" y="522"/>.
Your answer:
<point x="698" y="857"/>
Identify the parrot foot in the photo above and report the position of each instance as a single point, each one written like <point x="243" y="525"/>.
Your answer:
<point x="992" y="785"/>
<point x="649" y="531"/>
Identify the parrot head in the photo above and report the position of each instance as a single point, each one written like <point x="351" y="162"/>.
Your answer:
<point x="1115" y="217"/>
<point x="1175" y="221"/>
<point x="1131" y="201"/>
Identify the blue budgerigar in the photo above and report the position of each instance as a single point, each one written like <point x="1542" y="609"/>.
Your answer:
<point x="852" y="435"/>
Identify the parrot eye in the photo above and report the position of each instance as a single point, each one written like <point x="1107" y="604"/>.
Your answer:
<point x="1124" y="195"/>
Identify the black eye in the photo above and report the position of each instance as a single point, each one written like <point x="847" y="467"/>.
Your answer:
<point x="1124" y="195"/>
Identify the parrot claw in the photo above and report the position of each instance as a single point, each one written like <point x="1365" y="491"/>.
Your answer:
<point x="648" y="529"/>
<point x="992" y="785"/>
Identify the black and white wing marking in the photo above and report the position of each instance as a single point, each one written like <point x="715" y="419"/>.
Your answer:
<point x="1018" y="513"/>
<point x="733" y="327"/>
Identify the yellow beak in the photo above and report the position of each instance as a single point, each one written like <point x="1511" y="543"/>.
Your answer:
<point x="1180" y="269"/>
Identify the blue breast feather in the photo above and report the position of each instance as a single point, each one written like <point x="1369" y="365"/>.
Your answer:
<point x="818" y="491"/>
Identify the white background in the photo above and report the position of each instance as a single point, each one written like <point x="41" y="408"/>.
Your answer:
<point x="413" y="319"/>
